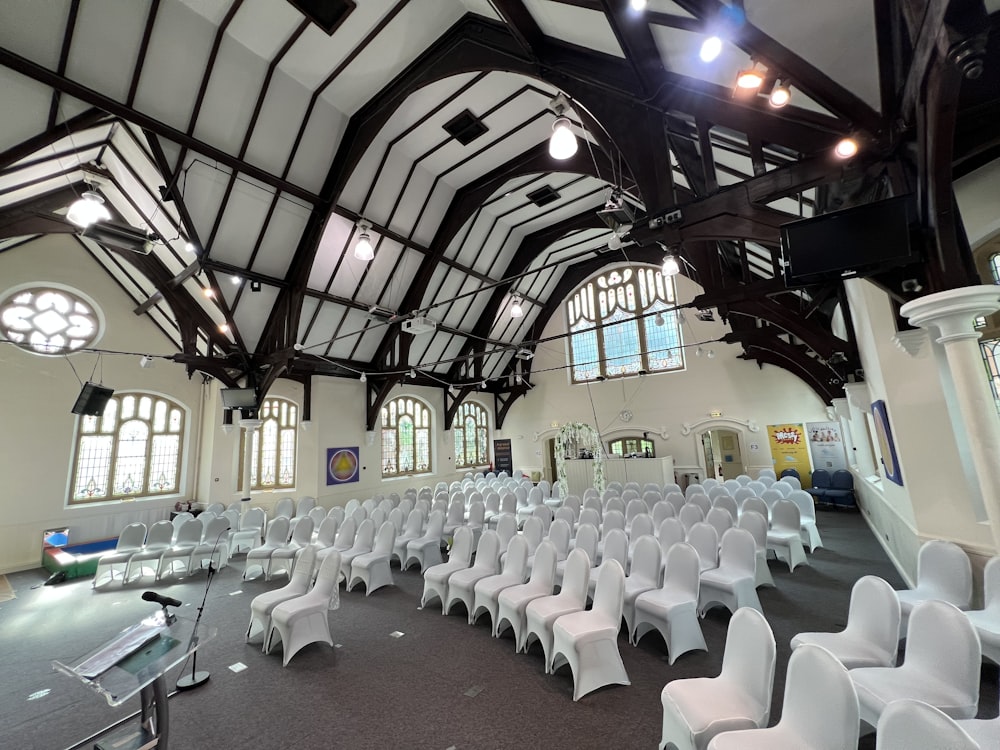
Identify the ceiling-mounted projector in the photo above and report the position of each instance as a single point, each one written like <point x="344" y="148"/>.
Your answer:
<point x="121" y="236"/>
<point x="524" y="354"/>
<point x="419" y="324"/>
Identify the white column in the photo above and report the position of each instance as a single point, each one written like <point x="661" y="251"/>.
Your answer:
<point x="950" y="317"/>
<point x="249" y="426"/>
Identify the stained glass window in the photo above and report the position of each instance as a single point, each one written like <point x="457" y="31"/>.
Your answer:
<point x="133" y="449"/>
<point x="406" y="437"/>
<point x="991" y="355"/>
<point x="995" y="267"/>
<point x="48" y="321"/>
<point x="621" y="323"/>
<point x="272" y="461"/>
<point x="471" y="429"/>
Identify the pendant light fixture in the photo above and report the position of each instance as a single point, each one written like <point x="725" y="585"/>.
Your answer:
<point x="671" y="266"/>
<point x="88" y="209"/>
<point x="562" y="142"/>
<point x="516" y="311"/>
<point x="363" y="249"/>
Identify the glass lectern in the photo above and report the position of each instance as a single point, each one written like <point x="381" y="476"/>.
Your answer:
<point x="134" y="663"/>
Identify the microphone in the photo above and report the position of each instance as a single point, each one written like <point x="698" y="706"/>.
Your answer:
<point x="163" y="601"/>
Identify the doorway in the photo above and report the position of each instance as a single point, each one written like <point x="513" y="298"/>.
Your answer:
<point x="722" y="453"/>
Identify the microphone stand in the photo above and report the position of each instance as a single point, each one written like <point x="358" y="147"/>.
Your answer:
<point x="196" y="678"/>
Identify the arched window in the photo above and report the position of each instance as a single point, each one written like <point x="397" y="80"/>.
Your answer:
<point x="991" y="357"/>
<point x="49" y="320"/>
<point x="621" y="323"/>
<point x="632" y="446"/>
<point x="133" y="450"/>
<point x="995" y="267"/>
<point x="472" y="437"/>
<point x="274" y="444"/>
<point x="406" y="437"/>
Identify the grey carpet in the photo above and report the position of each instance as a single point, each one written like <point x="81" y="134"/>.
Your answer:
<point x="443" y="684"/>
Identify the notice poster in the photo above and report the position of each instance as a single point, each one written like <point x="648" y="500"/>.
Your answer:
<point x="790" y="450"/>
<point x="826" y="446"/>
<point x="342" y="465"/>
<point x="503" y="458"/>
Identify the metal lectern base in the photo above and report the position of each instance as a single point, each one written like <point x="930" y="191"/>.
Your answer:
<point x="191" y="681"/>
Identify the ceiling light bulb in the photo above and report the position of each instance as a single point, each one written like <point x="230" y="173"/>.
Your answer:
<point x="223" y="328"/>
<point x="614" y="242"/>
<point x="483" y="385"/>
<point x="87" y="209"/>
<point x="189" y="247"/>
<point x="638" y="5"/>
<point x="711" y="354"/>
<point x="780" y="96"/>
<point x="562" y="143"/>
<point x="364" y="377"/>
<point x="235" y="279"/>
<point x="363" y="249"/>
<point x="670" y="266"/>
<point x="413" y="373"/>
<point x="209" y="292"/>
<point x="516" y="311"/>
<point x="711" y="48"/>
<point x="749" y="79"/>
<point x="659" y="319"/>
<point x="846" y="148"/>
<point x="518" y="379"/>
<point x="697" y="352"/>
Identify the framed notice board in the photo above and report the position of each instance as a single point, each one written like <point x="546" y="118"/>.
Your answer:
<point x="502" y="456"/>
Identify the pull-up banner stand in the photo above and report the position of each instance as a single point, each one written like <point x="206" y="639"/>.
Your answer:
<point x="503" y="458"/>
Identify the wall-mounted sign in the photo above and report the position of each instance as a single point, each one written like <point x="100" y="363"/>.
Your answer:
<point x="826" y="446"/>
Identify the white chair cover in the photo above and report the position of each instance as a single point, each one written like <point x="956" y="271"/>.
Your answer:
<point x="541" y="613"/>
<point x="462" y="583"/>
<point x="943" y="572"/>
<point x="436" y="577"/>
<point x="672" y="609"/>
<point x="514" y="600"/>
<point x="733" y="583"/>
<point x="263" y="604"/>
<point x="914" y="725"/>
<point x="986" y="621"/>
<point x="130" y="541"/>
<point x="784" y="538"/>
<point x="158" y="540"/>
<point x="372" y="568"/>
<point x="487" y="590"/>
<point x="306" y="619"/>
<point x="426" y="550"/>
<point x="807" y="519"/>
<point x="643" y="576"/>
<point x="756" y="524"/>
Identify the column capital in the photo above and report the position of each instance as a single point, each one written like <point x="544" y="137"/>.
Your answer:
<point x="951" y="314"/>
<point x="250" y="424"/>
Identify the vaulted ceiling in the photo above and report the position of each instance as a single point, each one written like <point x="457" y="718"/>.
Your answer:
<point x="249" y="137"/>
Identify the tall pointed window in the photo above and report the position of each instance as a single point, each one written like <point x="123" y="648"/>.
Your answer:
<point x="472" y="437"/>
<point x="406" y="437"/>
<point x="621" y="323"/>
<point x="274" y="445"/>
<point x="133" y="450"/>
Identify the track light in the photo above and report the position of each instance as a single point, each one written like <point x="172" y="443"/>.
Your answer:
<point x="364" y="377"/>
<point x="363" y="249"/>
<point x="413" y="374"/>
<point x="748" y="79"/>
<point x="670" y="265"/>
<point x="87" y="209"/>
<point x="223" y="328"/>
<point x="846" y="148"/>
<point x="638" y="5"/>
<point x="483" y="385"/>
<point x="562" y="142"/>
<point x="209" y="292"/>
<point x="780" y="95"/>
<point x="711" y="354"/>
<point x="711" y="48"/>
<point x="146" y="362"/>
<point x="518" y="379"/>
<point x="235" y="280"/>
<point x="659" y="319"/>
<point x="516" y="311"/>
<point x="189" y="247"/>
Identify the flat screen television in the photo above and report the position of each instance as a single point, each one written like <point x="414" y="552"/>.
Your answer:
<point x="92" y="400"/>
<point x="853" y="242"/>
<point x="239" y="398"/>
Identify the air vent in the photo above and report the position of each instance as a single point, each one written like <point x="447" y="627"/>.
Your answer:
<point x="327" y="14"/>
<point x="465" y="127"/>
<point x="543" y="196"/>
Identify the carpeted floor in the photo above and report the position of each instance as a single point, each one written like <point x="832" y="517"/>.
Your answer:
<point x="442" y="684"/>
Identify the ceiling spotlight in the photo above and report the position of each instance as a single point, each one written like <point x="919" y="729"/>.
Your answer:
<point x="750" y="78"/>
<point x="518" y="379"/>
<point x="87" y="209"/>
<point x="562" y="142"/>
<point x="235" y="279"/>
<point x="189" y="247"/>
<point x="698" y="351"/>
<point x="483" y="385"/>
<point x="711" y="354"/>
<point x="670" y="265"/>
<point x="364" y="377"/>
<point x="780" y="96"/>
<point x="146" y="362"/>
<point x="638" y="5"/>
<point x="614" y="242"/>
<point x="413" y="374"/>
<point x="711" y="48"/>
<point x="298" y="346"/>
<point x="846" y="148"/>
<point x="223" y="328"/>
<point x="363" y="249"/>
<point x="516" y="311"/>
<point x="659" y="319"/>
<point x="209" y="292"/>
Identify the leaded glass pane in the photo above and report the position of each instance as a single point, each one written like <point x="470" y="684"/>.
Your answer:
<point x="145" y="407"/>
<point x="128" y="407"/>
<point x="583" y="352"/>
<point x="995" y="267"/>
<point x="459" y="447"/>
<point x="389" y="455"/>
<point x="423" y="449"/>
<point x="663" y="350"/>
<point x="50" y="321"/>
<point x="160" y="416"/>
<point x="93" y="466"/>
<point x="110" y="416"/>
<point x="268" y="452"/>
<point x="621" y="345"/>
<point x="130" y="464"/>
<point x="286" y="472"/>
<point x="163" y="463"/>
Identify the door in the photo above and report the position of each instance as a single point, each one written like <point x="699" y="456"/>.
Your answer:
<point x="729" y="456"/>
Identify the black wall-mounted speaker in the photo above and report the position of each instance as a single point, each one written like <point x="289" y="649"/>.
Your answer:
<point x="92" y="400"/>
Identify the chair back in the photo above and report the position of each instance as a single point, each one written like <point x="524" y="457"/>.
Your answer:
<point x="365" y="537"/>
<point x="755" y="505"/>
<point x="385" y="538"/>
<point x="533" y="533"/>
<point x="738" y="551"/>
<point x="191" y="530"/>
<point x="508" y="503"/>
<point x="337" y="512"/>
<point x="729" y="504"/>
<point x="907" y="724"/>
<point x="720" y="519"/>
<point x="576" y="577"/>
<point x="302" y="573"/>
<point x="634" y="508"/>
<point x="719" y="491"/>
<point x="743" y="480"/>
<point x="821" y="704"/>
<point x="572" y="502"/>
<point x="488" y="552"/>
<point x="304" y="505"/>
<point x="397" y="518"/>
<point x="769" y="473"/>
<point x="694" y="489"/>
<point x="676" y="499"/>
<point x="757" y="486"/>
<point x="216" y="508"/>
<point x="646" y="560"/>
<point x="732" y="485"/>
<point x="785" y="516"/>
<point x="587" y="537"/>
<point x="317" y="513"/>
<point x="705" y="539"/>
<point x="661" y="511"/>
<point x="565" y="514"/>
<point x="302" y="534"/>
<point x="515" y="562"/>
<point x="702" y="501"/>
<point x="614" y="504"/>
<point x="560" y="533"/>
<point x="874" y="614"/>
<point x="771" y="496"/>
<point x="405" y="506"/>
<point x="218" y="529"/>
<point x="785" y="485"/>
<point x="941" y="641"/>
<point x="669" y="532"/>
<point x="689" y="516"/>
<point x="749" y="658"/>
<point x="806" y="503"/>
<point x="991" y="585"/>
<point x="285" y="508"/>
<point x="669" y="487"/>
<point x="609" y="595"/>
<point x="352" y="505"/>
<point x="593" y="503"/>
<point x="456" y="512"/>
<point x="132" y="537"/>
<point x="642" y="525"/>
<point x="544" y="514"/>
<point x="612" y="519"/>
<point x="615" y="486"/>
<point x="534" y="496"/>
<point x="616" y="547"/>
<point x="944" y="572"/>
<point x="842" y="479"/>
<point x="708" y="483"/>
<point x="461" y="546"/>
<point x="543" y="569"/>
<point x="378" y="516"/>
<point x="328" y="576"/>
<point x="435" y="524"/>
<point x="821" y="479"/>
<point x="756" y="524"/>
<point x="414" y="523"/>
<point x="506" y="529"/>
<point x="161" y="534"/>
<point x="180" y="519"/>
<point x="591" y="516"/>
<point x="345" y="536"/>
<point x="683" y="572"/>
<point x="327" y="533"/>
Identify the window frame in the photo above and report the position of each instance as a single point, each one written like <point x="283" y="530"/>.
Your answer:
<point x="292" y="415"/>
<point x="602" y="307"/>
<point x="180" y="465"/>
<point x="412" y="404"/>
<point x="50" y="286"/>
<point x="458" y="427"/>
<point x="638" y="440"/>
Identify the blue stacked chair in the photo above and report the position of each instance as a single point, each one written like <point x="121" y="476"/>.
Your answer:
<point x="841" y="491"/>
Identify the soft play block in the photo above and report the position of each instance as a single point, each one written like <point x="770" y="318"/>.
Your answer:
<point x="76" y="560"/>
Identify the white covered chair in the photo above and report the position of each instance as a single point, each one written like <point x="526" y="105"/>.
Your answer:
<point x="326" y="535"/>
<point x="662" y="511"/>
<point x="783" y="539"/>
<point x="513" y="600"/>
<point x="436" y="577"/>
<point x="984" y="731"/>
<point x="871" y="636"/>
<point x="214" y="545"/>
<point x="426" y="550"/>
<point x="506" y="528"/>
<point x="733" y="583"/>
<point x="941" y="666"/>
<point x="364" y="541"/>
<point x="719" y="491"/>
<point x="672" y="609"/>
<point x="943" y="572"/>
<point x="130" y="541"/>
<point x="643" y="575"/>
<point x="702" y="501"/>
<point x="372" y="568"/>
<point x="720" y="519"/>
<point x="586" y="539"/>
<point x="260" y="556"/>
<point x="668" y="533"/>
<point x="986" y="621"/>
<point x="587" y="641"/>
<point x="756" y="505"/>
<point x="689" y="515"/>
<point x="158" y="540"/>
<point x="263" y="604"/>
<point x="285" y="508"/>
<point x="756" y="524"/>
<point x="487" y="590"/>
<point x="757" y="486"/>
<point x="462" y="583"/>
<point x="769" y="473"/>
<point x="454" y="519"/>
<point x="728" y="504"/>
<point x="249" y="533"/>
<point x="786" y="487"/>
<point x="914" y="725"/>
<point x="705" y="540"/>
<point x="698" y="708"/>
<point x="615" y="548"/>
<point x="344" y="541"/>
<point x="306" y="619"/>
<point x="283" y="559"/>
<point x="188" y="537"/>
<point x="819" y="711"/>
<point x="541" y="613"/>
<point x="808" y="530"/>
<point x="413" y="528"/>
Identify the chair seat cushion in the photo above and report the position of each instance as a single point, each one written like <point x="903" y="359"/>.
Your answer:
<point x="704" y="701"/>
<point x="585" y="627"/>
<point x="441" y="573"/>
<point x="851" y="651"/>
<point x="878" y="687"/>
<point x="663" y="601"/>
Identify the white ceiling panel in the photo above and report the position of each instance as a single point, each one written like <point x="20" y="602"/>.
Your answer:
<point x="535" y="132"/>
<point x="356" y="189"/>
<point x="203" y="188"/>
<point x="34" y="30"/>
<point x="212" y="11"/>
<point x="336" y="235"/>
<point x="263" y="28"/>
<point x="237" y="78"/>
<point x="411" y="202"/>
<point x="272" y="139"/>
<point x="309" y="305"/>
<point x="433" y="213"/>
<point x="379" y="204"/>
<point x="374" y="287"/>
<point x="351" y="328"/>
<point x="580" y="26"/>
<point x="281" y="238"/>
<point x="317" y="147"/>
<point x="442" y="289"/>
<point x="325" y="323"/>
<point x="453" y="314"/>
<point x="668" y="6"/>
<point x="680" y="52"/>
<point x="252" y="314"/>
<point x="242" y="219"/>
<point x="25" y="109"/>
<point x="422" y="104"/>
<point x="482" y="7"/>
<point x="116" y="30"/>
